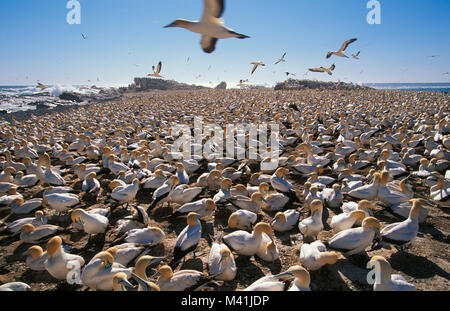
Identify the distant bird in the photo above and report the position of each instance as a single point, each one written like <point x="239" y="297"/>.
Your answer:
<point x="198" y="77"/>
<point x="281" y="59"/>
<point x="322" y="69"/>
<point x="241" y="83"/>
<point x="156" y="73"/>
<point x="356" y="56"/>
<point x="342" y="49"/>
<point x="84" y="36"/>
<point x="188" y="59"/>
<point x="292" y="74"/>
<point x="256" y="64"/>
<point x="211" y="26"/>
<point x="41" y="86"/>
<point x="209" y="68"/>
<point x="433" y="56"/>
<point x="446" y="73"/>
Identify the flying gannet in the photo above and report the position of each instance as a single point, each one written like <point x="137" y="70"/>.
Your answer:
<point x="256" y="64"/>
<point x="156" y="73"/>
<point x="211" y="26"/>
<point x="356" y="56"/>
<point x="322" y="69"/>
<point x="342" y="49"/>
<point x="281" y="59"/>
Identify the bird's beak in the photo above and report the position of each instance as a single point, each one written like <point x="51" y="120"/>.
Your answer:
<point x="174" y="24"/>
<point x="285" y="275"/>
<point x="126" y="283"/>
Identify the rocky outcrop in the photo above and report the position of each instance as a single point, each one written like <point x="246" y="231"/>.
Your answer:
<point x="145" y="84"/>
<point x="71" y="96"/>
<point x="292" y="84"/>
<point x="221" y="86"/>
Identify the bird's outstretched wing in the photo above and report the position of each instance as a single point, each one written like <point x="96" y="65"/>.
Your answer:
<point x="321" y="69"/>
<point x="208" y="43"/>
<point x="346" y="44"/>
<point x="213" y="8"/>
<point x="41" y="86"/>
<point x="158" y="69"/>
<point x="254" y="67"/>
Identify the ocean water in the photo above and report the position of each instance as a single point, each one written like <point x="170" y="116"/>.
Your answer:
<point x="22" y="97"/>
<point x="420" y="87"/>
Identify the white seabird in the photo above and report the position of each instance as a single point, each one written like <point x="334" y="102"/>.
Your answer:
<point x="342" y="49"/>
<point x="211" y="26"/>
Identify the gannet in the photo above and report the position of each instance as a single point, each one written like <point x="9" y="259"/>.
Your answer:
<point x="346" y="221"/>
<point x="268" y="250"/>
<point x="333" y="197"/>
<point x="25" y="180"/>
<point x="163" y="193"/>
<point x="15" y="287"/>
<point x="388" y="281"/>
<point x="224" y="193"/>
<point x="285" y="221"/>
<point x="245" y="243"/>
<point x="301" y="281"/>
<point x="145" y="236"/>
<point x="323" y="69"/>
<point x="252" y="204"/>
<point x="315" y="255"/>
<point x="31" y="234"/>
<point x="356" y="240"/>
<point x="60" y="202"/>
<point x="342" y="49"/>
<point x="400" y="233"/>
<point x="221" y="262"/>
<point x="211" y="26"/>
<point x="311" y="226"/>
<point x="121" y="283"/>
<point x="127" y="193"/>
<point x="6" y="176"/>
<point x="140" y="275"/>
<point x="184" y="194"/>
<point x="19" y="206"/>
<point x="41" y="86"/>
<point x="91" y="223"/>
<point x="204" y="207"/>
<point x="36" y="258"/>
<point x="90" y="184"/>
<point x="99" y="273"/>
<point x="155" y="181"/>
<point x="367" y="192"/>
<point x="183" y="280"/>
<point x="59" y="263"/>
<point x="242" y="219"/>
<point x="271" y="282"/>
<point x="281" y="59"/>
<point x="38" y="220"/>
<point x="156" y="73"/>
<point x="356" y="56"/>
<point x="188" y="239"/>
<point x="255" y="65"/>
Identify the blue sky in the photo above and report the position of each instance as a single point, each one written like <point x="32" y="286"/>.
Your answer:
<point x="126" y="37"/>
